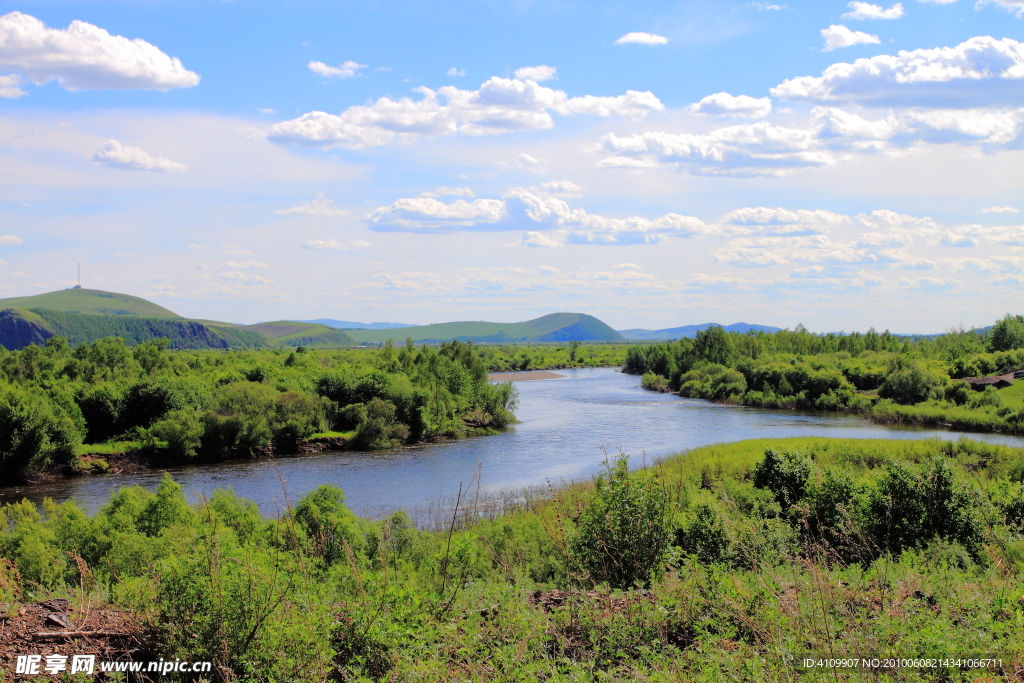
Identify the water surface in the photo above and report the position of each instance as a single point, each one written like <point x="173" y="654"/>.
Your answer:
<point x="564" y="425"/>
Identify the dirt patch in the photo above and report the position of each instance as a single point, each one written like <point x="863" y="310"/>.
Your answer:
<point x="552" y="600"/>
<point x="55" y="627"/>
<point x="522" y="376"/>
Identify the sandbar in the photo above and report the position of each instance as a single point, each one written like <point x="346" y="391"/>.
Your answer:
<point x="522" y="376"/>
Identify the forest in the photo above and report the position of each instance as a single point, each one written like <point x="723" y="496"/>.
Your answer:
<point x="58" y="403"/>
<point x="889" y="378"/>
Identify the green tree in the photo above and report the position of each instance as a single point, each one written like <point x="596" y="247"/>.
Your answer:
<point x="1007" y="334"/>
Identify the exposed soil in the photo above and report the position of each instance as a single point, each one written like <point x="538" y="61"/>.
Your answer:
<point x="522" y="376"/>
<point x="54" y="627"/>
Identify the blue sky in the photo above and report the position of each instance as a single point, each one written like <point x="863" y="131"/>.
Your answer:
<point x="837" y="164"/>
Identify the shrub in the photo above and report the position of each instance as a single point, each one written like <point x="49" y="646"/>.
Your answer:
<point x="958" y="392"/>
<point x="377" y="426"/>
<point x="705" y="536"/>
<point x="34" y="432"/>
<point x="908" y="382"/>
<point x="328" y="523"/>
<point x="784" y="474"/>
<point x="182" y="431"/>
<point x="622" y="534"/>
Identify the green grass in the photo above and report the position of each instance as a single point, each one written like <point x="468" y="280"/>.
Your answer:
<point x="106" y="448"/>
<point x="552" y="327"/>
<point x="91" y="301"/>
<point x="348" y="436"/>
<point x="1013" y="396"/>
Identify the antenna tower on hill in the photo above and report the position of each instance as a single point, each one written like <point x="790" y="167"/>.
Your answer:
<point x="79" y="285"/>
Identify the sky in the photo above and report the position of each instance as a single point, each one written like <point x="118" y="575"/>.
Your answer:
<point x="656" y="164"/>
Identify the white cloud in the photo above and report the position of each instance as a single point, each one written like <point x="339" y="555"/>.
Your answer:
<point x="766" y="221"/>
<point x="11" y="239"/>
<point x="1013" y="6"/>
<point x="539" y="239"/>
<point x="952" y="239"/>
<point x="938" y="2"/>
<point x="336" y="245"/>
<point x="245" y="265"/>
<point x="346" y="70"/>
<point x="562" y="188"/>
<point x="979" y="72"/>
<point x="642" y="39"/>
<point x="536" y="73"/>
<point x="501" y="105"/>
<point x="112" y="153"/>
<point x="531" y="164"/>
<point x="837" y="36"/>
<point x="832" y="134"/>
<point x="455" y="72"/>
<point x="865" y="10"/>
<point x="10" y="87"/>
<point x="449" y="192"/>
<point x="1000" y="209"/>
<point x="929" y="283"/>
<point x="522" y="209"/>
<point x="723" y="103"/>
<point x="762" y="6"/>
<point x="318" y="207"/>
<point x="744" y="150"/>
<point x="86" y="57"/>
<point x="266" y="110"/>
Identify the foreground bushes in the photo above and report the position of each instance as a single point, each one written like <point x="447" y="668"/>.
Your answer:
<point x="724" y="563"/>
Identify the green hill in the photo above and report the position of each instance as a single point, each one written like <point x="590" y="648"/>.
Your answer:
<point x="552" y="327"/>
<point x="90" y="301"/>
<point x="294" y="333"/>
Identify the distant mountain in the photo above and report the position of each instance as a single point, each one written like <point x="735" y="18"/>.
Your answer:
<point x="552" y="327"/>
<point x="691" y="331"/>
<point x="349" y="325"/>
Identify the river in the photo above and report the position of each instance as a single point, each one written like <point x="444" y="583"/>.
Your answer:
<point x="564" y="424"/>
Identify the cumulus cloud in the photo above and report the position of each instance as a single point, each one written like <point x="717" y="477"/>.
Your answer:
<point x="536" y="73"/>
<point x="346" y="70"/>
<point x="723" y="103"/>
<point x="929" y="283"/>
<point x="1012" y="6"/>
<point x="336" y="245"/>
<point x="10" y="239"/>
<point x="501" y="105"/>
<point x="865" y="10"/>
<point x="449" y="192"/>
<point x="523" y="209"/>
<point x="979" y="72"/>
<point x="112" y="153"/>
<point x="320" y="206"/>
<point x="744" y="150"/>
<point x="837" y="36"/>
<point x="85" y="57"/>
<point x="539" y="239"/>
<point x="455" y="72"/>
<point x="641" y="38"/>
<point x="1000" y="209"/>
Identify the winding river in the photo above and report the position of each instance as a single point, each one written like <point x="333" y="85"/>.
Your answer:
<point x="564" y="424"/>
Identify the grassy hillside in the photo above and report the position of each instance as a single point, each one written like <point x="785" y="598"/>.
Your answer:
<point x="552" y="327"/>
<point x="90" y="301"/>
<point x="294" y="333"/>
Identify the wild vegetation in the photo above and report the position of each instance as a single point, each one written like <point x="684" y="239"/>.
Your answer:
<point x="59" y="402"/>
<point x="730" y="562"/>
<point x="891" y="378"/>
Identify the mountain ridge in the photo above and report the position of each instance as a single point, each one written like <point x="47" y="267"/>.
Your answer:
<point x="690" y="331"/>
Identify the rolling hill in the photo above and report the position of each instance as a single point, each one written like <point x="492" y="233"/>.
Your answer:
<point x="552" y="327"/>
<point x="85" y="315"/>
<point x="691" y="331"/>
<point x="90" y="301"/>
<point x="349" y="325"/>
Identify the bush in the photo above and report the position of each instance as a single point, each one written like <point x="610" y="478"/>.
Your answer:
<point x="182" y="431"/>
<point x="784" y="474"/>
<point x="705" y="536"/>
<point x="328" y="524"/>
<point x="622" y="534"/>
<point x="34" y="433"/>
<point x="908" y="382"/>
<point x="377" y="425"/>
<point x="958" y="392"/>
